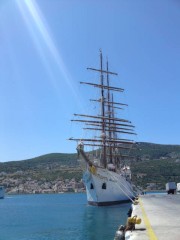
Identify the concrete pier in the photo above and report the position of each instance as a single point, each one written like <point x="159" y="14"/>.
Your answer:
<point x="160" y="214"/>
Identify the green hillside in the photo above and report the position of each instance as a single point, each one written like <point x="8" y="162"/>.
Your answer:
<point x="156" y="171"/>
<point x="155" y="164"/>
<point x="49" y="167"/>
<point x="152" y="166"/>
<point x="44" y="161"/>
<point x="156" y="151"/>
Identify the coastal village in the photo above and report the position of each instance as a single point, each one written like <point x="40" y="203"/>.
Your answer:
<point x="26" y="177"/>
<point x="32" y="186"/>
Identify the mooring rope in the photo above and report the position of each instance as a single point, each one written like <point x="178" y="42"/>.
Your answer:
<point x="122" y="189"/>
<point x="123" y="185"/>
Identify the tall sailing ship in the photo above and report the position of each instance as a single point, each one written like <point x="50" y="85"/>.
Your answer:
<point x="106" y="176"/>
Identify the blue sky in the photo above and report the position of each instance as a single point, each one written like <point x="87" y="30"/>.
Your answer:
<point x="46" y="46"/>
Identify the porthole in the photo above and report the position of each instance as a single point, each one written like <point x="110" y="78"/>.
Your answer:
<point x="104" y="186"/>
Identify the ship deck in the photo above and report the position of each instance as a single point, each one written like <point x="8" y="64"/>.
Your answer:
<point x="160" y="214"/>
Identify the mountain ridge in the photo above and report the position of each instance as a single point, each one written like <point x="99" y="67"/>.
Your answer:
<point x="152" y="166"/>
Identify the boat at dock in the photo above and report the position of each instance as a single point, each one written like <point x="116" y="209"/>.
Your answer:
<point x="1" y="192"/>
<point x="107" y="174"/>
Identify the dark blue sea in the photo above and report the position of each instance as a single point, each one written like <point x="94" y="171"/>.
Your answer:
<point x="58" y="217"/>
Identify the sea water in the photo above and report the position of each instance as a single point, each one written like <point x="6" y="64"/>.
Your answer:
<point x="58" y="217"/>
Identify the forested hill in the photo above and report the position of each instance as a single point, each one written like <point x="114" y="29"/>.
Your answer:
<point x="52" y="159"/>
<point x="143" y="152"/>
<point x="152" y="163"/>
<point x="142" y="149"/>
<point x="155" y="164"/>
<point x="156" y="151"/>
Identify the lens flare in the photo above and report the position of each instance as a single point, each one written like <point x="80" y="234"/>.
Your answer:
<point x="41" y="36"/>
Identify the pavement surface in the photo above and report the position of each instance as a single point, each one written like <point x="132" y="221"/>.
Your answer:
<point x="160" y="214"/>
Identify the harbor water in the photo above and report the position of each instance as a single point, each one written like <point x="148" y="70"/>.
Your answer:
<point x="58" y="217"/>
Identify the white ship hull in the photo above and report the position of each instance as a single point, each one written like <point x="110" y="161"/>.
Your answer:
<point x="1" y="192"/>
<point x="107" y="188"/>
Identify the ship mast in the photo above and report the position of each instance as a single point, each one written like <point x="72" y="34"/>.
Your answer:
<point x="109" y="115"/>
<point x="103" y="133"/>
<point x="107" y="124"/>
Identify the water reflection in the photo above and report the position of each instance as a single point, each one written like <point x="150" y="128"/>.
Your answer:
<point x="102" y="222"/>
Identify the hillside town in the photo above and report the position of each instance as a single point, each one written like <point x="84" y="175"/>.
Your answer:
<point x="32" y="186"/>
